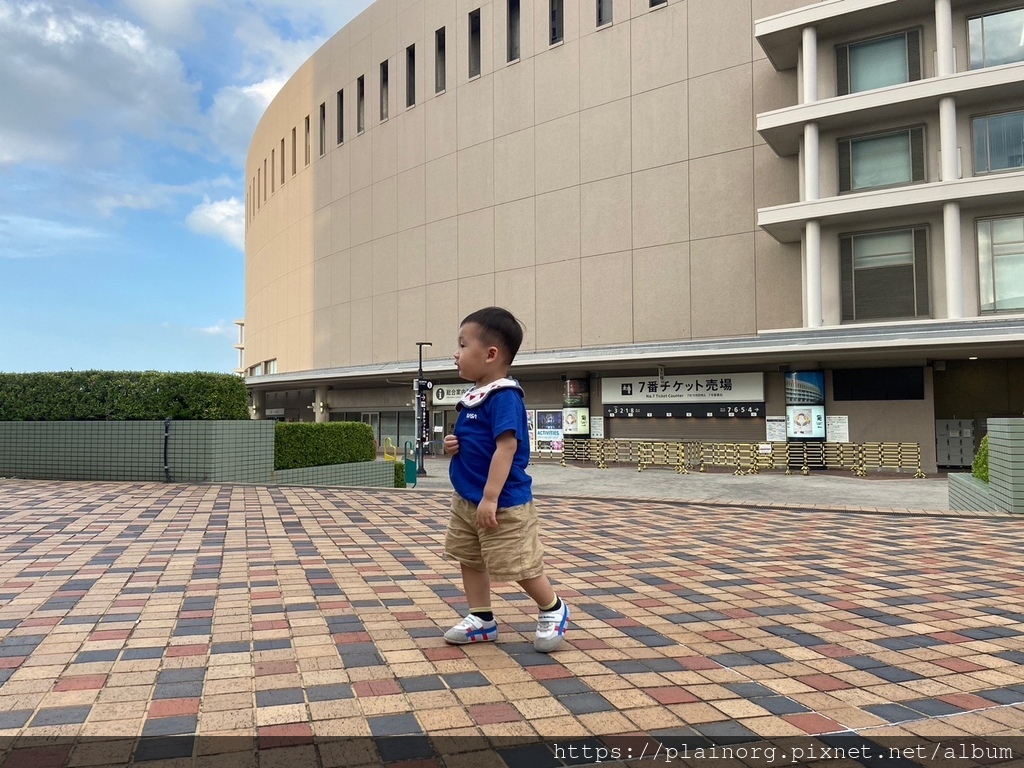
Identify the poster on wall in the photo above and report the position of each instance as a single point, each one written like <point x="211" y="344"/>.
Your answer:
<point x="597" y="427"/>
<point x="576" y="394"/>
<point x="549" y="431"/>
<point x="805" y="388"/>
<point x="576" y="421"/>
<point x="775" y="429"/>
<point x="805" y="405"/>
<point x="531" y="425"/>
<point x="837" y="429"/>
<point x="805" y="421"/>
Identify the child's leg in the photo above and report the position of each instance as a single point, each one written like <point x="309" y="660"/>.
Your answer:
<point x="539" y="588"/>
<point x="477" y="585"/>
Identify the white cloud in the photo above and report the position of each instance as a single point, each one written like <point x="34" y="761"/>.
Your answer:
<point x="220" y="218"/>
<point x="148" y="197"/>
<point x="24" y="237"/>
<point x="220" y="328"/>
<point x="234" y="114"/>
<point x="75" y="83"/>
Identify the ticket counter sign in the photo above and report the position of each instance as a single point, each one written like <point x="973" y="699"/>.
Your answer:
<point x="703" y="388"/>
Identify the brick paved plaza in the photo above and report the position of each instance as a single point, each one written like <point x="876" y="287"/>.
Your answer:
<point x="138" y="619"/>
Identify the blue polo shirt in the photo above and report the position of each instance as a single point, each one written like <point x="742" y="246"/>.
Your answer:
<point x="478" y="429"/>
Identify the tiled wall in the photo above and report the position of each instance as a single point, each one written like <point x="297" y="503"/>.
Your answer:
<point x="1005" y="488"/>
<point x="366" y="474"/>
<point x="198" y="451"/>
<point x="1006" y="463"/>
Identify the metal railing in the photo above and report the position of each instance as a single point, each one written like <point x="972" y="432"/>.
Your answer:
<point x="685" y="456"/>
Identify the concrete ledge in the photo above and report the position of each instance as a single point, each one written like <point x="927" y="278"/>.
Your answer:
<point x="966" y="492"/>
<point x="366" y="474"/>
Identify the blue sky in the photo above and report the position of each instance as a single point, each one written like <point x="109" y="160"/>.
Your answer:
<point x="123" y="135"/>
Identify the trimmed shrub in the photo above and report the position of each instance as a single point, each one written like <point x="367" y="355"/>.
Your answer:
<point x="122" y="396"/>
<point x="307" y="444"/>
<point x="979" y="467"/>
<point x="400" y="474"/>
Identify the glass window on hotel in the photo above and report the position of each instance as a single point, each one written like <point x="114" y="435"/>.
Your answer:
<point x="1001" y="264"/>
<point x="996" y="38"/>
<point x="881" y="160"/>
<point x="998" y="142"/>
<point x="878" y="62"/>
<point x="884" y="274"/>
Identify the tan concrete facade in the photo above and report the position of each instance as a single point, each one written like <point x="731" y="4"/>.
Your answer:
<point x="601" y="188"/>
<point x="632" y="192"/>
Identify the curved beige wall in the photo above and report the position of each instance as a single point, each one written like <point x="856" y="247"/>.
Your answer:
<point x="604" y="189"/>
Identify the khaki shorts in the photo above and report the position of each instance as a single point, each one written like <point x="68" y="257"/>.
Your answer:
<point x="510" y="552"/>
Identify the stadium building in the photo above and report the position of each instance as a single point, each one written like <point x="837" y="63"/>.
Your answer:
<point x="707" y="213"/>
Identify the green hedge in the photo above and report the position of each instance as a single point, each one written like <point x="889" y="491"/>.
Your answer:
<point x="979" y="468"/>
<point x="307" y="444"/>
<point x="121" y="396"/>
<point x="400" y="474"/>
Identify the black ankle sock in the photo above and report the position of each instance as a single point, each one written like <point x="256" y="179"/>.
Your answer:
<point x="483" y="615"/>
<point x="555" y="607"/>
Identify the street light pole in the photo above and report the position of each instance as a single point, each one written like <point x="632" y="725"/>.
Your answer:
<point x="421" y="402"/>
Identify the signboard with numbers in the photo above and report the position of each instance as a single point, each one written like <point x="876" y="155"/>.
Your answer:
<point x="741" y="388"/>
<point x="685" y="411"/>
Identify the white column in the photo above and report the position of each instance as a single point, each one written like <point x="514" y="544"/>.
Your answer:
<point x="320" y="411"/>
<point x="257" y="410"/>
<point x="812" y="176"/>
<point x="812" y="281"/>
<point x="944" y="61"/>
<point x="812" y="162"/>
<point x="809" y="62"/>
<point x="947" y="138"/>
<point x="952" y="248"/>
<point x="954" y="260"/>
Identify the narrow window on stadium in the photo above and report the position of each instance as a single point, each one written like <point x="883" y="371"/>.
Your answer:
<point x="341" y="116"/>
<point x="294" y="152"/>
<point x="440" y="72"/>
<point x="323" y="128"/>
<point x="264" y="179"/>
<point x="1001" y="264"/>
<point x="273" y="171"/>
<point x="998" y="142"/>
<point x="884" y="274"/>
<point x="556" y="13"/>
<point x="996" y="38"/>
<point x="604" y="12"/>
<point x="878" y="384"/>
<point x="657" y="3"/>
<point x="474" y="43"/>
<point x="360" y="104"/>
<point x="383" y="91"/>
<point x="882" y="160"/>
<point x="307" y="139"/>
<point x="878" y="62"/>
<point x="410" y="76"/>
<point x="282" y="161"/>
<point x="513" y="31"/>
<point x="259" y="179"/>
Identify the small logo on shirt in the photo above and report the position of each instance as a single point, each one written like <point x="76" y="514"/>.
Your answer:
<point x="470" y="415"/>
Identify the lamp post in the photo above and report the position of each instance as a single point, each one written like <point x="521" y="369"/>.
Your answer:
<point x="421" y="402"/>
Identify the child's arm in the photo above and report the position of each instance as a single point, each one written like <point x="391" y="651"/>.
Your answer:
<point x="501" y="464"/>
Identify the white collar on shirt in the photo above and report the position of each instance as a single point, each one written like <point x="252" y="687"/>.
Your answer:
<point x="477" y="395"/>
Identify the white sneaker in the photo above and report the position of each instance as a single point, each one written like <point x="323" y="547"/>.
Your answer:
<point x="551" y="626"/>
<point x="472" y="629"/>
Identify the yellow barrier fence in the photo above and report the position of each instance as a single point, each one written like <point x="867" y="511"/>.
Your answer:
<point x="744" y="458"/>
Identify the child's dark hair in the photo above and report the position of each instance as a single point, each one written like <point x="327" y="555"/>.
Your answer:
<point x="500" y="327"/>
